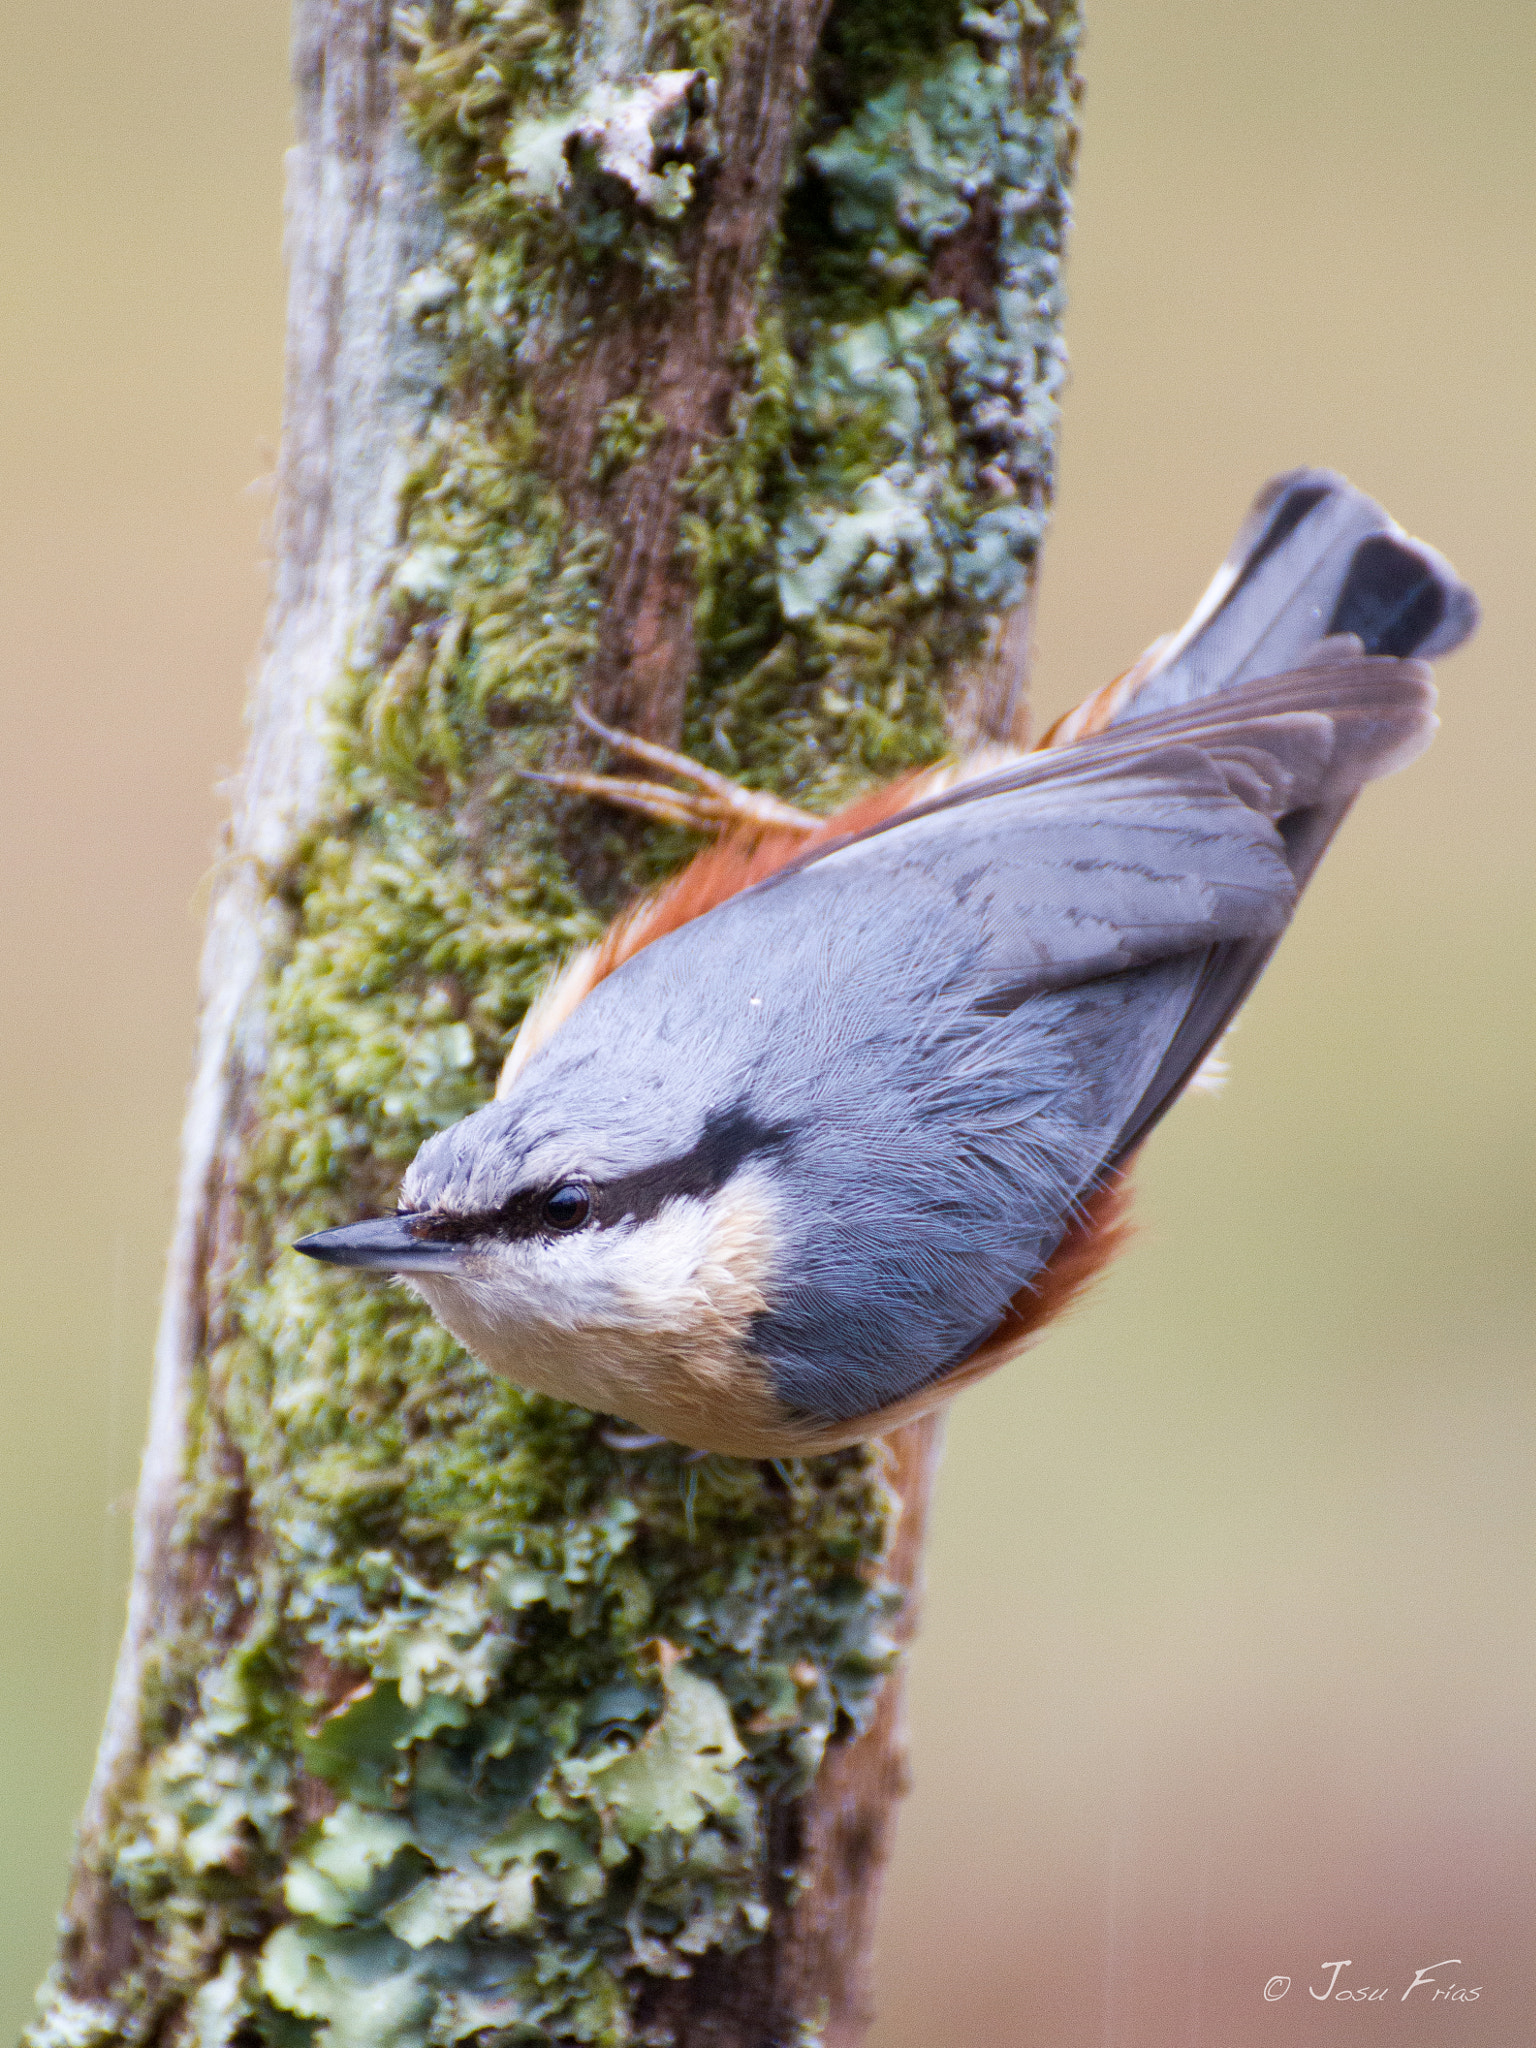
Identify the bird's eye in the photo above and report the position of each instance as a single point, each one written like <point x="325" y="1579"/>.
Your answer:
<point x="568" y="1207"/>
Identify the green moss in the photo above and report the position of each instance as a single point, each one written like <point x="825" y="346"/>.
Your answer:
<point x="484" y="1718"/>
<point x="624" y="432"/>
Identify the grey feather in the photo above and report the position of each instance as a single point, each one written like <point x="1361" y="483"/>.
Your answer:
<point x="940" y="1034"/>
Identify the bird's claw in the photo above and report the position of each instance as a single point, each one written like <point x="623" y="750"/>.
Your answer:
<point x="632" y="1439"/>
<point x="713" y="805"/>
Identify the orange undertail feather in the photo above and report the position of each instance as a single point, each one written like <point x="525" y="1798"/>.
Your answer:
<point x="1096" y="711"/>
<point x="747" y="854"/>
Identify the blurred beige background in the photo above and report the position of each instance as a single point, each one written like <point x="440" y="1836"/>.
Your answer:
<point x="1226" y="1672"/>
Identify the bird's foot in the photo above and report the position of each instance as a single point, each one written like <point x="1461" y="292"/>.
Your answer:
<point x="712" y="805"/>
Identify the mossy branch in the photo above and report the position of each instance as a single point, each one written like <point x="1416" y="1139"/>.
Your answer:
<point x="698" y="361"/>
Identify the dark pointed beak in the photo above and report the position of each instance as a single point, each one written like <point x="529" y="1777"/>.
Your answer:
<point x="384" y="1243"/>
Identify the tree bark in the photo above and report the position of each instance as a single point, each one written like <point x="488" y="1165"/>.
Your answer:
<point x="701" y="366"/>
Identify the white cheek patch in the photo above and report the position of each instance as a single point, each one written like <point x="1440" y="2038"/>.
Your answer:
<point x="640" y="1276"/>
<point x="694" y="1261"/>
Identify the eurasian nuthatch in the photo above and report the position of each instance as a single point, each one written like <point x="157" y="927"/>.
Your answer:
<point x="836" y="1121"/>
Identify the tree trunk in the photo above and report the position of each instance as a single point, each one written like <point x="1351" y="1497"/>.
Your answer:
<point x="699" y="365"/>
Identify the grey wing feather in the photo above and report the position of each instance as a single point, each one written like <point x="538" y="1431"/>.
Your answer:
<point x="1153" y="839"/>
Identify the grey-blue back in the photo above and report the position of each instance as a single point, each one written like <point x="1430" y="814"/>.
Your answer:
<point x="944" y="1033"/>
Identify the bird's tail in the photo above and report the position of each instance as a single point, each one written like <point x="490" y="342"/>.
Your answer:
<point x="1314" y="559"/>
<point x="1315" y="562"/>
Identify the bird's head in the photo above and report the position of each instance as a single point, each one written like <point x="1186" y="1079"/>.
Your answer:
<point x="574" y="1253"/>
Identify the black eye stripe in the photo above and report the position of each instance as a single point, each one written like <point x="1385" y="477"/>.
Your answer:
<point x="727" y="1142"/>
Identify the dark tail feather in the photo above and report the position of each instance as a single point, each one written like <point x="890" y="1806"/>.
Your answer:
<point x="1315" y="558"/>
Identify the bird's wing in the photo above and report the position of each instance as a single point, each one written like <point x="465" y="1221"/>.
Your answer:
<point x="1315" y="558"/>
<point x="1185" y="833"/>
<point x="1161" y="836"/>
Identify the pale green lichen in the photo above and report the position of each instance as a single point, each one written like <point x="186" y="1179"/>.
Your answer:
<point x="887" y="484"/>
<point x="65" y="2021"/>
<point x="482" y="1724"/>
<point x="908" y="174"/>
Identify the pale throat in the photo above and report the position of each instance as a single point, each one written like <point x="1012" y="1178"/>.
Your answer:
<point x="647" y="1320"/>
